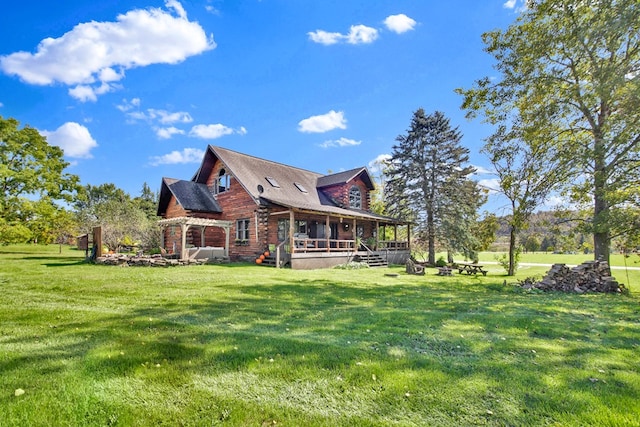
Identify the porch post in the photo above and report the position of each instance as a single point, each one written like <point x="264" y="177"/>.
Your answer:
<point x="409" y="236"/>
<point x="202" y="231"/>
<point x="227" y="231"/>
<point x="292" y="228"/>
<point x="183" y="251"/>
<point x="328" y="233"/>
<point x="162" y="230"/>
<point x="354" y="231"/>
<point x="377" y="236"/>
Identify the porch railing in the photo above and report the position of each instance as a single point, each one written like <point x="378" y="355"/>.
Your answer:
<point x="307" y="244"/>
<point x="393" y="245"/>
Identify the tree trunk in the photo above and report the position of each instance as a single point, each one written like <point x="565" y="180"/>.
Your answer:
<point x="431" y="237"/>
<point x="601" y="230"/>
<point x="512" y="252"/>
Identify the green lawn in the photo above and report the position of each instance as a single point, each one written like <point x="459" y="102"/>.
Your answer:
<point x="243" y="345"/>
<point x="617" y="260"/>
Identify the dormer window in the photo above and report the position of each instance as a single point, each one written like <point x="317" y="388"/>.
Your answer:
<point x="355" y="197"/>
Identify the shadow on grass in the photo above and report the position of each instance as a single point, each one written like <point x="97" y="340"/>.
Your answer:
<point x="476" y="332"/>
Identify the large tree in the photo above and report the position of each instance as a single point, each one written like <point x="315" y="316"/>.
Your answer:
<point x="123" y="220"/>
<point x="30" y="170"/>
<point x="572" y="70"/>
<point x="427" y="182"/>
<point x="527" y="172"/>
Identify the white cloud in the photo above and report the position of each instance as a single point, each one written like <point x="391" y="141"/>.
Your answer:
<point x="166" y="117"/>
<point x="210" y="131"/>
<point x="161" y="121"/>
<point x="128" y="105"/>
<point x="188" y="155"/>
<point x="358" y="34"/>
<point x="94" y="55"/>
<point x="167" y="133"/>
<point x="512" y="4"/>
<point x="323" y="123"/>
<point x="492" y="184"/>
<point x="399" y="23"/>
<point x="376" y="165"/>
<point x="74" y="139"/>
<point x="325" y="38"/>
<point x="481" y="170"/>
<point x="342" y="142"/>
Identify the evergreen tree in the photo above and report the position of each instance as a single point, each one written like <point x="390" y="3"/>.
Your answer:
<point x="427" y="183"/>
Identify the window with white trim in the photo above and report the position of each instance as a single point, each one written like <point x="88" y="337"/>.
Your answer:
<point x="355" y="197"/>
<point x="242" y="229"/>
<point x="221" y="183"/>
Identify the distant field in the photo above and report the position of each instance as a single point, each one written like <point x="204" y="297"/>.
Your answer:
<point x="243" y="345"/>
<point x="572" y="259"/>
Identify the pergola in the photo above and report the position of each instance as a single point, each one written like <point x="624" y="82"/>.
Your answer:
<point x="186" y="222"/>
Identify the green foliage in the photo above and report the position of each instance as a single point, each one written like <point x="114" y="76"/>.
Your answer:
<point x="569" y="84"/>
<point x="441" y="262"/>
<point x="124" y="220"/>
<point x="509" y="263"/>
<point x="352" y="265"/>
<point x="14" y="232"/>
<point x="531" y="243"/>
<point x="33" y="180"/>
<point x="427" y="182"/>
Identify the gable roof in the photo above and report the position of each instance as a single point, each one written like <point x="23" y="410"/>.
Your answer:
<point x="345" y="177"/>
<point x="192" y="196"/>
<point x="267" y="181"/>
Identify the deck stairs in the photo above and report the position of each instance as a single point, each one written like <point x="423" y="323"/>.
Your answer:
<point x="373" y="259"/>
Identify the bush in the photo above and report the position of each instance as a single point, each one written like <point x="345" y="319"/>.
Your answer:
<point x="441" y="262"/>
<point x="353" y="265"/>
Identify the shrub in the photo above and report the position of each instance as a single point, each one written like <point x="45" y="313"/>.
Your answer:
<point x="353" y="265"/>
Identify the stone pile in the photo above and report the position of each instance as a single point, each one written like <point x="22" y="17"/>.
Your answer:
<point x="591" y="276"/>
<point x="158" y="260"/>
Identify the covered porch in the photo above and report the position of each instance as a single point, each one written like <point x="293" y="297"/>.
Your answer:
<point x="202" y="251"/>
<point x="309" y="239"/>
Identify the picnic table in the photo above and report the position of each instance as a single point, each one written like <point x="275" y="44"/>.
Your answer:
<point x="471" y="268"/>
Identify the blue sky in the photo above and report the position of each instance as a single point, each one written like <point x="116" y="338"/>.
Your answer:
<point x="135" y="90"/>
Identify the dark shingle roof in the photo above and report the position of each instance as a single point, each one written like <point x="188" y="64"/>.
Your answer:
<point x="192" y="196"/>
<point x="344" y="177"/>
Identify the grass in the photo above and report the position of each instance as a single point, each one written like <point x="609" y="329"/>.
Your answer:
<point x="617" y="260"/>
<point x="245" y="345"/>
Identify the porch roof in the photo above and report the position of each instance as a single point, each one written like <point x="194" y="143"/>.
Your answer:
<point x="333" y="210"/>
<point x="202" y="222"/>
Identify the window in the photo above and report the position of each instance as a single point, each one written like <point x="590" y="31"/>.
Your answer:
<point x="221" y="183"/>
<point x="300" y="187"/>
<point x="272" y="181"/>
<point x="300" y="226"/>
<point x="355" y="197"/>
<point x="242" y="229"/>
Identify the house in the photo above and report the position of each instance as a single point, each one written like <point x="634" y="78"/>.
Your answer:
<point x="239" y="206"/>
